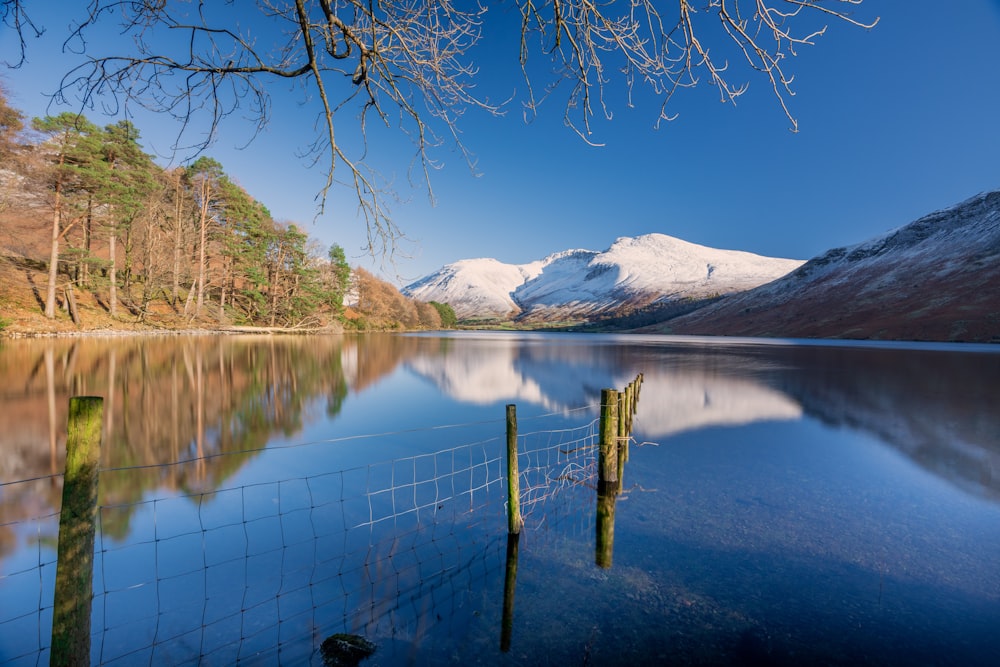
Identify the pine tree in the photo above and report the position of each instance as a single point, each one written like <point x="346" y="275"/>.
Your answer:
<point x="70" y="150"/>
<point x="339" y="278"/>
<point x="123" y="183"/>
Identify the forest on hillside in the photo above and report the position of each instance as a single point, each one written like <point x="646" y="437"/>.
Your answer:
<point x="94" y="230"/>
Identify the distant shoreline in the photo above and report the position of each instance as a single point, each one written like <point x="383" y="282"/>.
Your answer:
<point x="155" y="331"/>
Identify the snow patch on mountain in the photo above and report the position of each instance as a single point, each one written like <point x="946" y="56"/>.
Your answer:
<point x="634" y="271"/>
<point x="474" y="286"/>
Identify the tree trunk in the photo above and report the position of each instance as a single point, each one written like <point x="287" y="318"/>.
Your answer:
<point x="203" y="236"/>
<point x="127" y="268"/>
<point x="113" y="272"/>
<point x="148" y="273"/>
<point x="50" y="297"/>
<point x="71" y="305"/>
<point x="222" y="295"/>
<point x="187" y="304"/>
<point x="88" y="226"/>
<point x="275" y="281"/>
<point x="178" y="238"/>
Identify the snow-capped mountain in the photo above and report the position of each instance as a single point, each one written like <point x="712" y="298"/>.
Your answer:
<point x="937" y="278"/>
<point x="583" y="284"/>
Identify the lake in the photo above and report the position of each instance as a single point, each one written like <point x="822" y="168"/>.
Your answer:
<point x="781" y="502"/>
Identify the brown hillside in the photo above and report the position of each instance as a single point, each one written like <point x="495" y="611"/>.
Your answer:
<point x="936" y="279"/>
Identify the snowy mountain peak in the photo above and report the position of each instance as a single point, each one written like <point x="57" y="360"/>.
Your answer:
<point x="584" y="284"/>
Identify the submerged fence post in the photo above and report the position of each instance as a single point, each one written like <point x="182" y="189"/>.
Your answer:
<point x="513" y="477"/>
<point x="75" y="565"/>
<point x="607" y="465"/>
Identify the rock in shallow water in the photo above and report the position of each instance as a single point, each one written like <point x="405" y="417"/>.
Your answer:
<point x="344" y="650"/>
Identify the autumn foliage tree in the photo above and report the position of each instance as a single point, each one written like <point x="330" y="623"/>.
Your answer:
<point x="11" y="123"/>
<point x="383" y="306"/>
<point x="134" y="235"/>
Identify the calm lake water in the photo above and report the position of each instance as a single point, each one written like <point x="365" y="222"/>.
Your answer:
<point x="783" y="502"/>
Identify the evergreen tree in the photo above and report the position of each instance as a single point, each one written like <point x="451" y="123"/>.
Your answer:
<point x="69" y="151"/>
<point x="248" y="231"/>
<point x="296" y="286"/>
<point x="447" y="313"/>
<point x="125" y="182"/>
<point x="339" y="278"/>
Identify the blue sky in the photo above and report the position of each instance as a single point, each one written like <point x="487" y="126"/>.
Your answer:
<point x="893" y="123"/>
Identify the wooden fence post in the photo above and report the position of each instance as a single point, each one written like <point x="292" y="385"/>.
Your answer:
<point x="77" y="521"/>
<point x="514" y="520"/>
<point x="623" y="424"/>
<point x="607" y="465"/>
<point x="629" y="404"/>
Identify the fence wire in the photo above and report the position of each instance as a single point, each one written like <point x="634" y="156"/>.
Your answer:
<point x="261" y="573"/>
<point x="552" y="461"/>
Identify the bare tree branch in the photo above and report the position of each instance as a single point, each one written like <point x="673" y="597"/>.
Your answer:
<point x="587" y="38"/>
<point x="14" y="16"/>
<point x="409" y="63"/>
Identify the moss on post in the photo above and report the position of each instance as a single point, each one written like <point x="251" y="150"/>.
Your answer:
<point x="75" y="566"/>
<point x="514" y="520"/>
<point x="607" y="465"/>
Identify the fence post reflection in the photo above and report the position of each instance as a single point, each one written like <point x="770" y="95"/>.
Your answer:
<point x="75" y="565"/>
<point x="605" y="546"/>
<point x="509" y="583"/>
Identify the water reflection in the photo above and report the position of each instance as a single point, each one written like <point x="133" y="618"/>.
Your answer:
<point x="206" y="404"/>
<point x="936" y="407"/>
<point x="753" y="501"/>
<point x="192" y="399"/>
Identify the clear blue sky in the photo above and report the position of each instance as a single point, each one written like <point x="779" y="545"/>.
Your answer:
<point x="894" y="123"/>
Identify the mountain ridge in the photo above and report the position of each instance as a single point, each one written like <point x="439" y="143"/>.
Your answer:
<point x="633" y="272"/>
<point x="936" y="278"/>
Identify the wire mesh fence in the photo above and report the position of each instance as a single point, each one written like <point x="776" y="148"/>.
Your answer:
<point x="553" y="463"/>
<point x="262" y="572"/>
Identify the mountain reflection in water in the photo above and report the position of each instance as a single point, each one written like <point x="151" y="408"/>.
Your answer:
<point x="934" y="405"/>
<point x="190" y="399"/>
